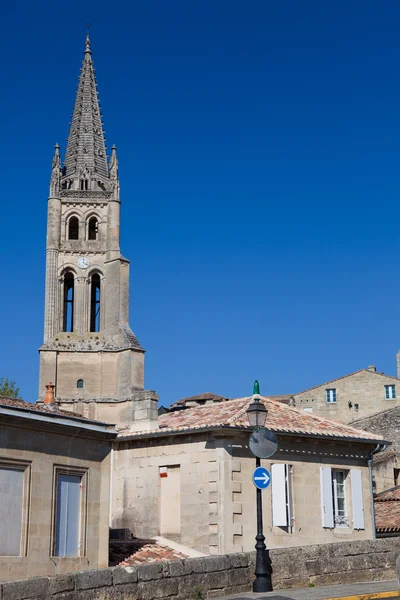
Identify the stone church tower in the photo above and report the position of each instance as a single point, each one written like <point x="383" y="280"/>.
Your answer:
<point x="89" y="351"/>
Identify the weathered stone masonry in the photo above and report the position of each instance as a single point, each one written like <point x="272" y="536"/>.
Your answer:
<point x="215" y="576"/>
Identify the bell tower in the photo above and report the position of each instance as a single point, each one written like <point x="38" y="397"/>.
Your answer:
<point x="89" y="351"/>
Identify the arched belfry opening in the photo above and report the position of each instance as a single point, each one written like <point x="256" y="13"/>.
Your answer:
<point x="95" y="303"/>
<point x="73" y="228"/>
<point x="68" y="314"/>
<point x="92" y="228"/>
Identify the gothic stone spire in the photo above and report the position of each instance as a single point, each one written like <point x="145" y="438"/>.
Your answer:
<point x="86" y="151"/>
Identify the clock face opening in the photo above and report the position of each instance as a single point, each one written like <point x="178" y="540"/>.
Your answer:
<point x="83" y="262"/>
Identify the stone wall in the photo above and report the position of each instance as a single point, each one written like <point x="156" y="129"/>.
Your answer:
<point x="214" y="576"/>
<point x="357" y="396"/>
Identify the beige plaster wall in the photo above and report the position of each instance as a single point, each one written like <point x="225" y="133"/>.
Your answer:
<point x="218" y="498"/>
<point x="42" y="451"/>
<point x="367" y="389"/>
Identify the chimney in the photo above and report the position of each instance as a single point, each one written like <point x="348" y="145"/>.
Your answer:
<point x="372" y="368"/>
<point x="49" y="397"/>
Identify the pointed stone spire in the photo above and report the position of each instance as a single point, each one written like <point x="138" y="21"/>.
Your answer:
<point x="86" y="149"/>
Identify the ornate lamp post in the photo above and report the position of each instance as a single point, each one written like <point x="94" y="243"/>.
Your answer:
<point x="257" y="415"/>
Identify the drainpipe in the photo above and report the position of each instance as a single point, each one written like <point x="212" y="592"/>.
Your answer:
<point x="378" y="448"/>
<point x="111" y="486"/>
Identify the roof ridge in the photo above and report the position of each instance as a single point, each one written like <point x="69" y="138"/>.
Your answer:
<point x="389" y="490"/>
<point x="292" y="408"/>
<point x="379" y="412"/>
<point x="343" y="377"/>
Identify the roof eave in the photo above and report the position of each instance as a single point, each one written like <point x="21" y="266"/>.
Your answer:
<point x="207" y="428"/>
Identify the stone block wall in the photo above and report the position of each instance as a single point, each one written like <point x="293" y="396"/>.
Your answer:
<point x="357" y="396"/>
<point x="215" y="576"/>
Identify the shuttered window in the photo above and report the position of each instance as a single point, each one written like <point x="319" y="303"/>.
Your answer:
<point x="357" y="499"/>
<point x="333" y="498"/>
<point x="68" y="515"/>
<point x="281" y="495"/>
<point x="326" y="497"/>
<point x="11" y="510"/>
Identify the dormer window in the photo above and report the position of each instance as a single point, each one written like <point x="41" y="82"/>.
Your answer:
<point x="84" y="184"/>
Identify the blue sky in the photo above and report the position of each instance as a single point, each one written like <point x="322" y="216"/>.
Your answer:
<point x="259" y="148"/>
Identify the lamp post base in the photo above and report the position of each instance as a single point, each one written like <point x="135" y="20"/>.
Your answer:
<point x="262" y="582"/>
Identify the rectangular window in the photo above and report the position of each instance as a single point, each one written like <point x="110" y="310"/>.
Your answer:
<point x="396" y="473"/>
<point x="281" y="495"/>
<point x="339" y="499"/>
<point x="70" y="513"/>
<point x="14" y="496"/>
<point x="331" y="396"/>
<point x="390" y="392"/>
<point x="333" y="498"/>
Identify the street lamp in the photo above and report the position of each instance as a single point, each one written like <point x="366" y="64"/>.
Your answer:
<point x="257" y="415"/>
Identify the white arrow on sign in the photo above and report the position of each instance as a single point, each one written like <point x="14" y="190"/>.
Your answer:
<point x="264" y="478"/>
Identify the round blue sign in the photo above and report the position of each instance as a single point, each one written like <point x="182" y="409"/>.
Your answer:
<point x="261" y="478"/>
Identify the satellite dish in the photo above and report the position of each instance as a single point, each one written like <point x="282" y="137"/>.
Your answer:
<point x="263" y="443"/>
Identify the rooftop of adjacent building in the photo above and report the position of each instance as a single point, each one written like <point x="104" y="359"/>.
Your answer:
<point x="387" y="511"/>
<point x="51" y="413"/>
<point x="281" y="418"/>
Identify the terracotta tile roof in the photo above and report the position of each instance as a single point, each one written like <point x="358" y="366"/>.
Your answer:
<point x="199" y="398"/>
<point x="281" y="418"/>
<point x="314" y="387"/>
<point x="387" y="510"/>
<point x="52" y="410"/>
<point x="392" y="494"/>
<point x="137" y="551"/>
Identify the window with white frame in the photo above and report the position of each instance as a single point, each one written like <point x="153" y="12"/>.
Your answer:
<point x="13" y="508"/>
<point x="390" y="392"/>
<point x="281" y="483"/>
<point x="70" y="512"/>
<point x="331" y="396"/>
<point x="333" y="498"/>
<point x="339" y="499"/>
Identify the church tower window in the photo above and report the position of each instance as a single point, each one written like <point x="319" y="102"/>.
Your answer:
<point x="92" y="228"/>
<point x="84" y="184"/>
<point x="73" y="228"/>
<point x="95" y="303"/>
<point x="68" y="302"/>
<point x="79" y="384"/>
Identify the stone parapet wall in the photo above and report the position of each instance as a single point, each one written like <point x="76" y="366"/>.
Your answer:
<point x="215" y="576"/>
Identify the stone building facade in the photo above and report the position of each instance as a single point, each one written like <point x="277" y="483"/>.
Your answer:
<point x="191" y="479"/>
<point x="89" y="350"/>
<point x="351" y="397"/>
<point x="54" y="491"/>
<point x="386" y="464"/>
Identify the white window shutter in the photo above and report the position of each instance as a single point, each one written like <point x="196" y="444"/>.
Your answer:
<point x="357" y="499"/>
<point x="289" y="494"/>
<point x="278" y="477"/>
<point x="326" y="497"/>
